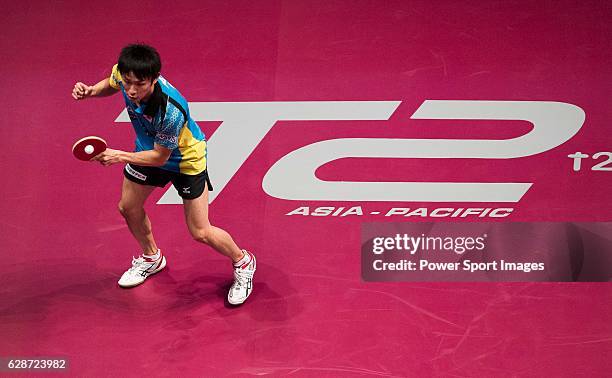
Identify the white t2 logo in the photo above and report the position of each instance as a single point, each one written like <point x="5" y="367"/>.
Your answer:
<point x="244" y="125"/>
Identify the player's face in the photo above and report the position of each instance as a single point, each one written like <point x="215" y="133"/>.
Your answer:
<point x="138" y="90"/>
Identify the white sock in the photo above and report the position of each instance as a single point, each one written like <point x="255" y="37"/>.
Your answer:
<point x="153" y="257"/>
<point x="244" y="260"/>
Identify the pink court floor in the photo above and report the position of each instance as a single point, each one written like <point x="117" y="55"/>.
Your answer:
<point x="265" y="79"/>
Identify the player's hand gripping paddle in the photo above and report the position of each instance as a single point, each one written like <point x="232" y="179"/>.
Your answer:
<point x="87" y="148"/>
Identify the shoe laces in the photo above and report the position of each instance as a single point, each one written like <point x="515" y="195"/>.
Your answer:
<point x="241" y="276"/>
<point x="138" y="265"/>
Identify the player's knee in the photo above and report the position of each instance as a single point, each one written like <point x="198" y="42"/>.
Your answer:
<point x="126" y="210"/>
<point x="202" y="234"/>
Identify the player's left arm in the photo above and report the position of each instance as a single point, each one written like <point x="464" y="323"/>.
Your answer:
<point x="156" y="157"/>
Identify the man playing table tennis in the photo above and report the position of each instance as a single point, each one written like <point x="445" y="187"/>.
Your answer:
<point x="170" y="147"/>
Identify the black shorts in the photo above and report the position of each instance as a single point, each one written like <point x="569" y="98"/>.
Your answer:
<point x="188" y="186"/>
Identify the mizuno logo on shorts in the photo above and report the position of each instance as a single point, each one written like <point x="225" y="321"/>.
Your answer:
<point x="135" y="173"/>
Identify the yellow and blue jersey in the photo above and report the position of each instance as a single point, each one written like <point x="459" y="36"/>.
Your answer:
<point x="165" y="120"/>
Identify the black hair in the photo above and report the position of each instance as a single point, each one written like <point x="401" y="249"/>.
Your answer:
<point x="140" y="59"/>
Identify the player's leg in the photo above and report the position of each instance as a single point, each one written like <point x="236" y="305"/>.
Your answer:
<point x="131" y="207"/>
<point x="138" y="184"/>
<point x="196" y="216"/>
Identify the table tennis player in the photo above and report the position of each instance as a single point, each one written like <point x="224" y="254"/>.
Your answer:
<point x="170" y="147"/>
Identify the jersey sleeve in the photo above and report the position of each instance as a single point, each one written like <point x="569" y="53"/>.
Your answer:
<point x="168" y="134"/>
<point x="115" y="78"/>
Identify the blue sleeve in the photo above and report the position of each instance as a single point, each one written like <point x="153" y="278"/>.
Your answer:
<point x="168" y="134"/>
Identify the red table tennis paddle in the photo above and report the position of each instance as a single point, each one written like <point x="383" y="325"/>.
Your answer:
<point x="87" y="148"/>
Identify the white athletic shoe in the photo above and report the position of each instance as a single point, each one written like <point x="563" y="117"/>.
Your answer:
<point x="243" y="282"/>
<point x="142" y="268"/>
